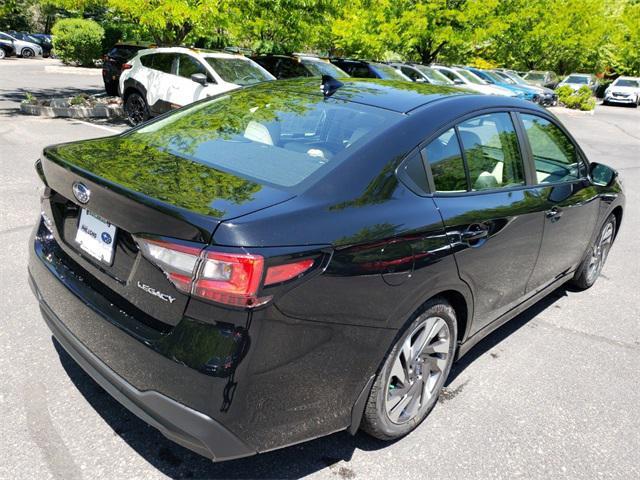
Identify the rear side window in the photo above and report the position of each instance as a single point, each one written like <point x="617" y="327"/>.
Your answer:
<point x="445" y="159"/>
<point x="491" y="151"/>
<point x="555" y="156"/>
<point x="266" y="134"/>
<point x="237" y="70"/>
<point x="159" y="61"/>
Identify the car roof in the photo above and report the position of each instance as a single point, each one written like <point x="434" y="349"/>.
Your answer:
<point x="192" y="51"/>
<point x="395" y="95"/>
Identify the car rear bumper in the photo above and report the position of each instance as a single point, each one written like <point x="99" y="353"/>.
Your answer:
<point x="176" y="421"/>
<point x="72" y="317"/>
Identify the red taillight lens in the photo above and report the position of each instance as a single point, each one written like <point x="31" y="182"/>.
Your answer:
<point x="229" y="278"/>
<point x="282" y="273"/>
<point x="126" y="66"/>
<point x="233" y="279"/>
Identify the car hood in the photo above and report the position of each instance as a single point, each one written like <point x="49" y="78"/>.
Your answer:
<point x="614" y="88"/>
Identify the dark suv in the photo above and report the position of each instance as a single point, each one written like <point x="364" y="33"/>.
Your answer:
<point x="364" y="69"/>
<point x="292" y="259"/>
<point x="115" y="59"/>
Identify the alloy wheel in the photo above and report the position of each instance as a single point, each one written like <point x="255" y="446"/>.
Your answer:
<point x="27" y="53"/>
<point x="418" y="370"/>
<point x="136" y="109"/>
<point x="2" y="53"/>
<point x="599" y="252"/>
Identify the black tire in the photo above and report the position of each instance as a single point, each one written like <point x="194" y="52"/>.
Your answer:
<point x="589" y="269"/>
<point x="111" y="88"/>
<point x="376" y="420"/>
<point x="27" y="53"/>
<point x="3" y="54"/>
<point x="136" y="108"/>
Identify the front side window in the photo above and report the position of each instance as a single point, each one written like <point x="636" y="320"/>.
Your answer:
<point x="445" y="159"/>
<point x="237" y="70"/>
<point x="555" y="156"/>
<point x="411" y="73"/>
<point x="187" y="66"/>
<point x="491" y="151"/>
<point x="434" y="75"/>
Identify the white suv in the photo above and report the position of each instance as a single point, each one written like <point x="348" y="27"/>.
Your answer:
<point x="160" y="79"/>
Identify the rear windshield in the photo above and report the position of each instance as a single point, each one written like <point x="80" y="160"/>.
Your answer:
<point x="237" y="70"/>
<point x="277" y="137"/>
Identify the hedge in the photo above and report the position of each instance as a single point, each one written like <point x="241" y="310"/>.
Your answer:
<point x="77" y="41"/>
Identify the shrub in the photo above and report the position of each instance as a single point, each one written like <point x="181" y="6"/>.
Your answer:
<point x="579" y="100"/>
<point x="77" y="41"/>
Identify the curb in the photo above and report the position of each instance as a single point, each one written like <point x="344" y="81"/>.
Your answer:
<point x="99" y="111"/>
<point x="72" y="70"/>
<point x="570" y="111"/>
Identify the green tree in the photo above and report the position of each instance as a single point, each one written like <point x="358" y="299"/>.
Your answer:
<point x="77" y="40"/>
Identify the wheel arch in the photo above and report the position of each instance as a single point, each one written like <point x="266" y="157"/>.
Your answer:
<point x="617" y="212"/>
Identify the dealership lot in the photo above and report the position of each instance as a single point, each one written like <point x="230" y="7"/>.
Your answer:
<point x="554" y="393"/>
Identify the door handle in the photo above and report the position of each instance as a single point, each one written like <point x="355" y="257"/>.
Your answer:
<point x="554" y="214"/>
<point x="474" y="233"/>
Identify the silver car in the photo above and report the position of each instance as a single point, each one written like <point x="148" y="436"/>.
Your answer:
<point x="623" y="90"/>
<point x="578" y="80"/>
<point x="23" y="49"/>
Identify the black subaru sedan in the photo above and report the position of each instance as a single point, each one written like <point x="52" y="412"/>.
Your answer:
<point x="285" y="261"/>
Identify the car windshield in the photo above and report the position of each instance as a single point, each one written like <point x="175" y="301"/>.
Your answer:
<point x="434" y="75"/>
<point x="503" y="77"/>
<point x="514" y="77"/>
<point x="237" y="70"/>
<point x="266" y="134"/>
<point x="470" y="77"/>
<point x="625" y="82"/>
<point x="577" y="79"/>
<point x="534" y="76"/>
<point x="320" y="67"/>
<point x="388" y="73"/>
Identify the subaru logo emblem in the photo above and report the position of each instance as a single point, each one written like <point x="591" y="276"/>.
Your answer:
<point x="81" y="192"/>
<point x="106" y="238"/>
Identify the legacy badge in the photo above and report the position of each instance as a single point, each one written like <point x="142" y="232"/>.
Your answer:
<point x="156" y="293"/>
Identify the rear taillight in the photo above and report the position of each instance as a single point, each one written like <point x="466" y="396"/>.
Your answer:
<point x="126" y="66"/>
<point x="228" y="278"/>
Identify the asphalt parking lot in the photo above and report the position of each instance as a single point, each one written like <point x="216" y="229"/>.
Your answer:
<point x="552" y="394"/>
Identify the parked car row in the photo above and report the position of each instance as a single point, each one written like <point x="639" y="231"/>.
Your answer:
<point x="152" y="80"/>
<point x="24" y="45"/>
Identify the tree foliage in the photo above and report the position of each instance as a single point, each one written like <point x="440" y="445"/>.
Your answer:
<point x="560" y="35"/>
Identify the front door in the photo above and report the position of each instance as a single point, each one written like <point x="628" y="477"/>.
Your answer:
<point x="183" y="90"/>
<point x="494" y="220"/>
<point x="571" y="201"/>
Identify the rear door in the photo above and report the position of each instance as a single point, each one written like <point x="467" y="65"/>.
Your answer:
<point x="571" y="201"/>
<point x="157" y="78"/>
<point x="492" y="214"/>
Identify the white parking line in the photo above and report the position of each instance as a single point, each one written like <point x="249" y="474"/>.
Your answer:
<point x="102" y="127"/>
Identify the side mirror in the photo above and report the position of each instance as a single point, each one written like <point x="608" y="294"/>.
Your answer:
<point x="420" y="80"/>
<point x="602" y="175"/>
<point x="200" y="78"/>
<point x="457" y="81"/>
